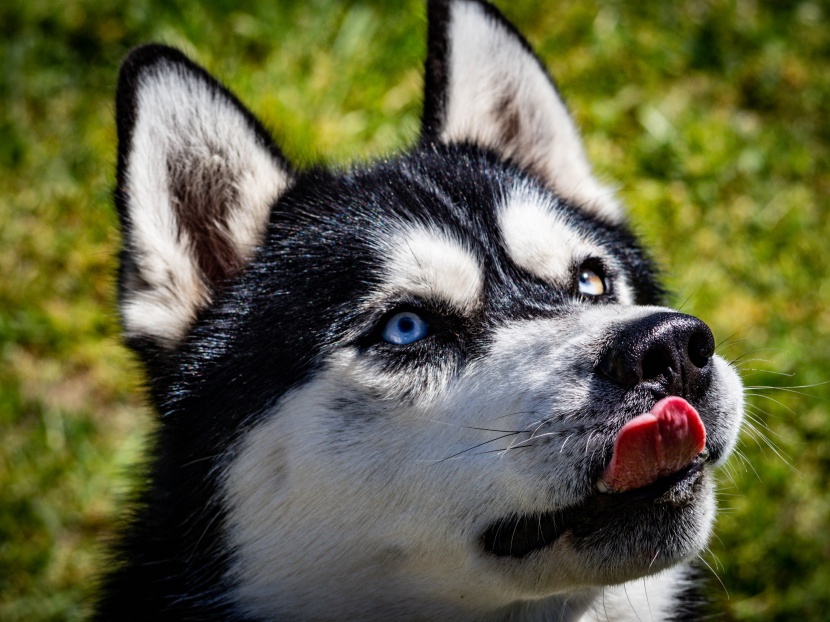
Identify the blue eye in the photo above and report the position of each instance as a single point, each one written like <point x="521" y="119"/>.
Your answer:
<point x="403" y="328"/>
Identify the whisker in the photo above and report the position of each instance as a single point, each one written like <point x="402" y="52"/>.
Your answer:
<point x="718" y="563"/>
<point x="729" y="341"/>
<point x="470" y="427"/>
<point x="502" y="450"/>
<point x="792" y="389"/>
<point x="766" y="371"/>
<point x="476" y="446"/>
<point x="756" y="434"/>
<point x="795" y="386"/>
<point x="740" y="365"/>
<point x="202" y="459"/>
<point x="645" y="591"/>
<point x="630" y="604"/>
<point x="688" y="298"/>
<point x="772" y="399"/>
<point x="654" y="559"/>
<point x="532" y="438"/>
<point x="532" y="434"/>
<point x="588" y="442"/>
<point x="730" y="467"/>
<point x="700" y="557"/>
<point x="753" y="414"/>
<point x="477" y="453"/>
<point x="751" y="352"/>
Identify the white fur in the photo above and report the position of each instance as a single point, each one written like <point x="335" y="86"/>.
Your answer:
<point x="539" y="239"/>
<point x="490" y="66"/>
<point x="382" y="501"/>
<point x="650" y="599"/>
<point x="183" y="121"/>
<point x="429" y="264"/>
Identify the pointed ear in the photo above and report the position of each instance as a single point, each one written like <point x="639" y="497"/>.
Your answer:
<point x="197" y="177"/>
<point x="485" y="86"/>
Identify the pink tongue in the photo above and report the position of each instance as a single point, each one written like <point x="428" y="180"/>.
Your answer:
<point x="656" y="444"/>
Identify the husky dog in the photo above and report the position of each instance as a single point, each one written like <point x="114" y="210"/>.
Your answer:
<point x="439" y="387"/>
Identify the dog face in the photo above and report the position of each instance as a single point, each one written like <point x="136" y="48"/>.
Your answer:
<point x="461" y="410"/>
<point x="416" y="386"/>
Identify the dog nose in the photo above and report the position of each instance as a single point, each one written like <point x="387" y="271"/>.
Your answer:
<point x="671" y="351"/>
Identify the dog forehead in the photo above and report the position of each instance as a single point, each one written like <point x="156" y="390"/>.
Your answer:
<point x="456" y="227"/>
<point x="465" y="234"/>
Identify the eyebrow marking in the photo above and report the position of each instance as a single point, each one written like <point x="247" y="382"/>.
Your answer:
<point x="539" y="240"/>
<point x="429" y="263"/>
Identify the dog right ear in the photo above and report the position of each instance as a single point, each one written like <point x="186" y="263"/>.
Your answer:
<point x="197" y="177"/>
<point x="485" y="86"/>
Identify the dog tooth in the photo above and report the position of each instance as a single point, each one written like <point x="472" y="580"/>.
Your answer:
<point x="704" y="455"/>
<point x="602" y="487"/>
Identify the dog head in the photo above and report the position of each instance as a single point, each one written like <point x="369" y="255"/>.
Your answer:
<point x="445" y="381"/>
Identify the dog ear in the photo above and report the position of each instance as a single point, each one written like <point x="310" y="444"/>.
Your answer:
<point x="485" y="86"/>
<point x="197" y="177"/>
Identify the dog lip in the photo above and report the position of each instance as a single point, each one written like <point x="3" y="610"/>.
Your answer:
<point x="702" y="458"/>
<point x="518" y="536"/>
<point x="662" y="485"/>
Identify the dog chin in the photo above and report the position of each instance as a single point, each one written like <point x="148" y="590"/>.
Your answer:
<point x="609" y="538"/>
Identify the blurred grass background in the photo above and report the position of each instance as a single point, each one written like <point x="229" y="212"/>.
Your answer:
<point x="711" y="114"/>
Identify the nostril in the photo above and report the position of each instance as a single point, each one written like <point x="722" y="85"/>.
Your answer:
<point x="656" y="362"/>
<point x="701" y="346"/>
<point x="617" y="367"/>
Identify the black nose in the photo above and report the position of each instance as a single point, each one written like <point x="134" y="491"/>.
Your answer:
<point x="670" y="351"/>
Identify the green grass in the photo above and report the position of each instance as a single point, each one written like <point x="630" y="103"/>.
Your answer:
<point x="712" y="116"/>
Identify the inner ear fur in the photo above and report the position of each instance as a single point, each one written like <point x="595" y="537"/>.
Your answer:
<point x="197" y="177"/>
<point x="485" y="86"/>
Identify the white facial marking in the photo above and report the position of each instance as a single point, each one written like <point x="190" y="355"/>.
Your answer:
<point x="430" y="264"/>
<point x="500" y="97"/>
<point x="345" y="484"/>
<point x="539" y="240"/>
<point x="623" y="291"/>
<point x="303" y="513"/>
<point x="183" y="125"/>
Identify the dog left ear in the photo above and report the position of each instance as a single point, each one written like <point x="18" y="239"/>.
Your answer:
<point x="485" y="86"/>
<point x="197" y="178"/>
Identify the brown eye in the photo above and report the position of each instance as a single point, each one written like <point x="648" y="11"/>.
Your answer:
<point x="590" y="283"/>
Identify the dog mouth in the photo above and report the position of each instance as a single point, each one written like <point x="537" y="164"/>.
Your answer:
<point x="655" y="471"/>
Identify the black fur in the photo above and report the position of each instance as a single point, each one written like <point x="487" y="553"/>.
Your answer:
<point x="258" y="339"/>
<point x="257" y="326"/>
<point x="695" y="603"/>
